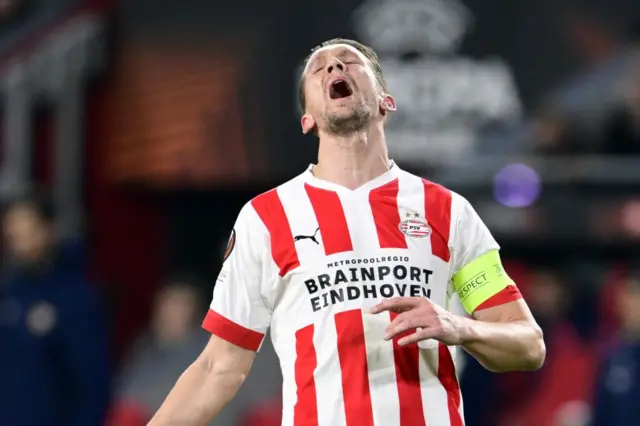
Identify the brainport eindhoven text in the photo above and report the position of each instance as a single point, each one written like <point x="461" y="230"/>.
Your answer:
<point x="368" y="279"/>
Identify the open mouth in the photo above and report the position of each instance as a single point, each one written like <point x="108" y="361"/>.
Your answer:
<point x="340" y="89"/>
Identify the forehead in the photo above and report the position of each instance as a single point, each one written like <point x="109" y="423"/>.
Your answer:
<point x="177" y="293"/>
<point x="334" y="50"/>
<point x="21" y="211"/>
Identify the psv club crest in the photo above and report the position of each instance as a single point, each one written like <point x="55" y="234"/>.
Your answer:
<point x="414" y="226"/>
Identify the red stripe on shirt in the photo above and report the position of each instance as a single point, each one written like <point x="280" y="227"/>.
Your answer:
<point x="448" y="379"/>
<point x="305" y="412"/>
<point x="508" y="294"/>
<point x="352" y="354"/>
<point x="269" y="208"/>
<point x="232" y="332"/>
<point x="331" y="220"/>
<point x="407" y="363"/>
<point x="384" y="206"/>
<point x="437" y="207"/>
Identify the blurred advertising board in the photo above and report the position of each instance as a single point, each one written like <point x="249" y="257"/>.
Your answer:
<point x="179" y="118"/>
<point x="457" y="68"/>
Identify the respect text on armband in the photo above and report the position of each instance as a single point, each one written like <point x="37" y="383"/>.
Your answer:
<point x="480" y="280"/>
<point x="375" y="278"/>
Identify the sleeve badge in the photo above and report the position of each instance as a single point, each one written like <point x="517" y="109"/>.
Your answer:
<point x="230" y="245"/>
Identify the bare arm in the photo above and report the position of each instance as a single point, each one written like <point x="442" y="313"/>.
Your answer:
<point x="502" y="338"/>
<point x="206" y="387"/>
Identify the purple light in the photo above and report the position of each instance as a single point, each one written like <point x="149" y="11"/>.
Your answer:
<point x="516" y="185"/>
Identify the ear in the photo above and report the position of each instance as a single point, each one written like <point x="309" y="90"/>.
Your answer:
<point x="387" y="104"/>
<point x="308" y="123"/>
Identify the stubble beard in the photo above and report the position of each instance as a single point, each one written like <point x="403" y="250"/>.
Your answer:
<point x="359" y="118"/>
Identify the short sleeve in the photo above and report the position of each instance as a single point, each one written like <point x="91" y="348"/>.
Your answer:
<point x="239" y="313"/>
<point x="477" y="273"/>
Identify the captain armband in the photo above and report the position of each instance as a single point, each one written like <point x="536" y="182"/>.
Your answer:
<point x="480" y="279"/>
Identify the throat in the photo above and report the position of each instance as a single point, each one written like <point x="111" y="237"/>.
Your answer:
<point x="352" y="161"/>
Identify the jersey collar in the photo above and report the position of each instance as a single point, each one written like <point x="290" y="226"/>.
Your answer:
<point x="383" y="179"/>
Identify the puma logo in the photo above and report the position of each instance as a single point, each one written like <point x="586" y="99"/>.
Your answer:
<point x="307" y="237"/>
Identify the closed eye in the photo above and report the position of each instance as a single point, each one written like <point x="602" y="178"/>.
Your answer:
<point x="346" y="63"/>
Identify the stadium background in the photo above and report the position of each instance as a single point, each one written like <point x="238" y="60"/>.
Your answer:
<point x="151" y="122"/>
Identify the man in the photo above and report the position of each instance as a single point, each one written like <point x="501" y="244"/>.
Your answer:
<point x="354" y="265"/>
<point x="54" y="364"/>
<point x="165" y="350"/>
<point x="618" y="385"/>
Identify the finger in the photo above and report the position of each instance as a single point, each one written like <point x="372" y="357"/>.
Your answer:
<point x="402" y="323"/>
<point x="398" y="304"/>
<point x="398" y="318"/>
<point x="399" y="328"/>
<point x="418" y="336"/>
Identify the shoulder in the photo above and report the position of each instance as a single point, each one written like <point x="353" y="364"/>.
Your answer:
<point x="268" y="206"/>
<point x="438" y="198"/>
<point x="432" y="190"/>
<point x="264" y="214"/>
<point x="442" y="204"/>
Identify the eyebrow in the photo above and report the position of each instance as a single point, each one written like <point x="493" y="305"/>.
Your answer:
<point x="341" y="54"/>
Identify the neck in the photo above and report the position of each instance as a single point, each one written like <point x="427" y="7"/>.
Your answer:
<point x="352" y="160"/>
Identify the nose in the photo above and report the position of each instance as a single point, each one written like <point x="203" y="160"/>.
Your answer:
<point x="336" y="64"/>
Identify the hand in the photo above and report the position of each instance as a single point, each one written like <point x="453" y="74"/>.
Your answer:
<point x="418" y="313"/>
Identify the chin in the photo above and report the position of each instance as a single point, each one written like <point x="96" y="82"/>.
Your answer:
<point x="342" y="116"/>
<point x="345" y="109"/>
<point x="347" y="121"/>
<point x="343" y="113"/>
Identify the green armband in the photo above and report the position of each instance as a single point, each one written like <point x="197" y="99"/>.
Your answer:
<point x="480" y="280"/>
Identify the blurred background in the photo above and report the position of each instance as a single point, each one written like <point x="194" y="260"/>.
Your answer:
<point x="132" y="133"/>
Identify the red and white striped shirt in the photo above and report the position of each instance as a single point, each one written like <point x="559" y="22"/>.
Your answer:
<point x="308" y="260"/>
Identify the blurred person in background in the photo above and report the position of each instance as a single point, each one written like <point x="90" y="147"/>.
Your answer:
<point x="557" y="395"/>
<point x="265" y="413"/>
<point x="554" y="134"/>
<point x="54" y="367"/>
<point x="549" y="134"/>
<point x="622" y="130"/>
<point x="617" y="396"/>
<point x="173" y="340"/>
<point x="622" y="126"/>
<point x="13" y="13"/>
